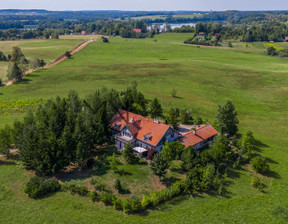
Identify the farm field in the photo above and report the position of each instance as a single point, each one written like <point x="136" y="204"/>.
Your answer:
<point x="48" y="50"/>
<point x="203" y="78"/>
<point x="79" y="37"/>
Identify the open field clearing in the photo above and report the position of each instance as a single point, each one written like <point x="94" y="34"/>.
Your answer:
<point x="48" y="50"/>
<point x="203" y="78"/>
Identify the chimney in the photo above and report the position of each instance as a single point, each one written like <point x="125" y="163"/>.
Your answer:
<point x="132" y="120"/>
<point x="195" y="132"/>
<point x="156" y="121"/>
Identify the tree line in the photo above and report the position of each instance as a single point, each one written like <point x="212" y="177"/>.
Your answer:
<point x="18" y="64"/>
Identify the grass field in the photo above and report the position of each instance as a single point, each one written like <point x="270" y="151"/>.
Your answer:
<point x="203" y="78"/>
<point x="48" y="50"/>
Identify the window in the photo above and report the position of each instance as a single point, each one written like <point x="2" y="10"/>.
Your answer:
<point x="172" y="135"/>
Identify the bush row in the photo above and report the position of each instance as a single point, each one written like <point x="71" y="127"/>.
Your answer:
<point x="38" y="187"/>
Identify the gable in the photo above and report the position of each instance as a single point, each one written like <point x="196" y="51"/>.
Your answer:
<point x="144" y="129"/>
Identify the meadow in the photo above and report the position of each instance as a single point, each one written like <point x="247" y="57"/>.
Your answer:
<point x="49" y="50"/>
<point x="203" y="78"/>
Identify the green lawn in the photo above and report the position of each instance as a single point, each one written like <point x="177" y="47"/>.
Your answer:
<point x="48" y="50"/>
<point x="203" y="78"/>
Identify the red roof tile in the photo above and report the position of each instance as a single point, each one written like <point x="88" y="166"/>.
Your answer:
<point x="137" y="30"/>
<point x="202" y="133"/>
<point x="190" y="138"/>
<point x="206" y="131"/>
<point x="141" y="126"/>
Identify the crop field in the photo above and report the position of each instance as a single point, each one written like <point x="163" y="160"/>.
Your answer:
<point x="48" y="50"/>
<point x="203" y="78"/>
<point x="79" y="37"/>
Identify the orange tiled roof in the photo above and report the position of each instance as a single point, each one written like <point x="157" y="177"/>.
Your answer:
<point x="202" y="133"/>
<point x="206" y="131"/>
<point x="140" y="127"/>
<point x="190" y="138"/>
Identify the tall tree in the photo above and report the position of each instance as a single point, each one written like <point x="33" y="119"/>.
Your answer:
<point x="128" y="154"/>
<point x="227" y="118"/>
<point x="156" y="108"/>
<point x="14" y="72"/>
<point x="5" y="141"/>
<point x="16" y="54"/>
<point x="188" y="158"/>
<point x="159" y="165"/>
<point x="172" y="118"/>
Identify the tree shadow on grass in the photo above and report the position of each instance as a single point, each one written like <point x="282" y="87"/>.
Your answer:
<point x="169" y="181"/>
<point x="272" y="174"/>
<point x="233" y="174"/>
<point x="258" y="143"/>
<point x="179" y="170"/>
<point x="122" y="172"/>
<point x="125" y="191"/>
<point x="6" y="162"/>
<point x="269" y="160"/>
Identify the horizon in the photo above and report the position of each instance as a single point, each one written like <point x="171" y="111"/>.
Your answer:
<point x="149" y="5"/>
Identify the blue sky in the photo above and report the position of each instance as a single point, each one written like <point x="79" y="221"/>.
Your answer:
<point x="146" y="4"/>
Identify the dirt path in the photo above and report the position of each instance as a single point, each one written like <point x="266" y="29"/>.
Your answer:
<point x="57" y="61"/>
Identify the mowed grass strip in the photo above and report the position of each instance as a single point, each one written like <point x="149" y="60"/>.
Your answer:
<point x="203" y="78"/>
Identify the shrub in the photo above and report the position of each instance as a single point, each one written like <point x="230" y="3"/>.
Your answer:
<point x="155" y="199"/>
<point x="131" y="204"/>
<point x="259" y="164"/>
<point x="38" y="186"/>
<point x="118" y="203"/>
<point x="145" y="202"/>
<point x="105" y="40"/>
<point x="142" y="161"/>
<point x="67" y="54"/>
<point x="198" y="121"/>
<point x="100" y="187"/>
<point x="107" y="198"/>
<point x="75" y="188"/>
<point x="94" y="196"/>
<point x="256" y="182"/>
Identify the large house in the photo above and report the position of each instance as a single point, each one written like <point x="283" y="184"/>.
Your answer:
<point x="200" y="137"/>
<point x="144" y="133"/>
<point x="140" y="131"/>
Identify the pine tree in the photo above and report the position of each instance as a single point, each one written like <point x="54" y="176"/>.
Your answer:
<point x="159" y="165"/>
<point x="128" y="154"/>
<point x="156" y="108"/>
<point x="172" y="118"/>
<point x="188" y="158"/>
<point x="118" y="185"/>
<point x="227" y="119"/>
<point x="167" y="152"/>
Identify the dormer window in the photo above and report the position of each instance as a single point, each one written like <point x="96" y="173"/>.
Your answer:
<point x="116" y="125"/>
<point x="147" y="137"/>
